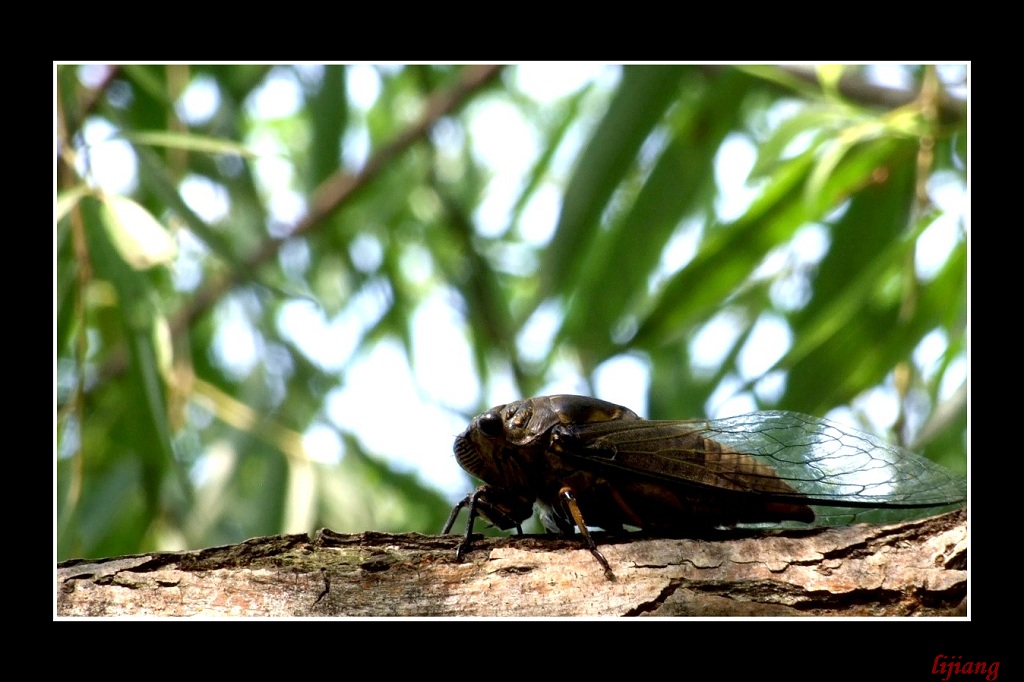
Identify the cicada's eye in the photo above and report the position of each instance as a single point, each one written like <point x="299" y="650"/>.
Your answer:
<point x="491" y="425"/>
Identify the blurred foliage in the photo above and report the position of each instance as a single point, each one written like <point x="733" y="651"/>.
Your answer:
<point x="166" y="439"/>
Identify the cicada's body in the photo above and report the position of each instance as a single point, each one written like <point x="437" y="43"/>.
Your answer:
<point x="585" y="462"/>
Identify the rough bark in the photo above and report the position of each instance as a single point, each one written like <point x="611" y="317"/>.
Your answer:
<point x="917" y="568"/>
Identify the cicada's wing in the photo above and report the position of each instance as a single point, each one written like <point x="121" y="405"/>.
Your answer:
<point x="846" y="476"/>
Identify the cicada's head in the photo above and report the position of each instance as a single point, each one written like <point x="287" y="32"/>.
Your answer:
<point x="505" y="442"/>
<point x="487" y="450"/>
<point x="500" y="444"/>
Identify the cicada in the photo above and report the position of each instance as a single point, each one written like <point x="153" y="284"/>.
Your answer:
<point x="582" y="462"/>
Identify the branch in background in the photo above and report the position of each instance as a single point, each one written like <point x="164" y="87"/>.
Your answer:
<point x="336" y="190"/>
<point x="855" y="88"/>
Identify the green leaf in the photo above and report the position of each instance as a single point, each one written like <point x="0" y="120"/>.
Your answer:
<point x="68" y="199"/>
<point x="643" y="96"/>
<point x="815" y="121"/>
<point x="146" y="404"/>
<point x="831" y="154"/>
<point x="617" y="268"/>
<point x="328" y="111"/>
<point x="726" y="258"/>
<point x="140" y="239"/>
<point x="188" y="141"/>
<point x="851" y="308"/>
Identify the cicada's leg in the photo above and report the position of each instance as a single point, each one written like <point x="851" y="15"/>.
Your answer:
<point x="569" y="498"/>
<point x="471" y="501"/>
<point x="455" y="514"/>
<point x="464" y="545"/>
<point x="498" y="507"/>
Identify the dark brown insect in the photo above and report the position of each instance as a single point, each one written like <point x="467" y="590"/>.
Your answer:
<point x="585" y="462"/>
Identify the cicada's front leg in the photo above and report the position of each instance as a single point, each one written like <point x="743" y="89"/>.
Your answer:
<point x="499" y="507"/>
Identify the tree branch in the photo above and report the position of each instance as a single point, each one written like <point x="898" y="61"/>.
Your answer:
<point x="916" y="568"/>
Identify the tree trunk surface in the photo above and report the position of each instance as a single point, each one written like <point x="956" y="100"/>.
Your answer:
<point x="917" y="568"/>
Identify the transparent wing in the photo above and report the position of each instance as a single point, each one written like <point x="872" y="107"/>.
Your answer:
<point x="845" y="475"/>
